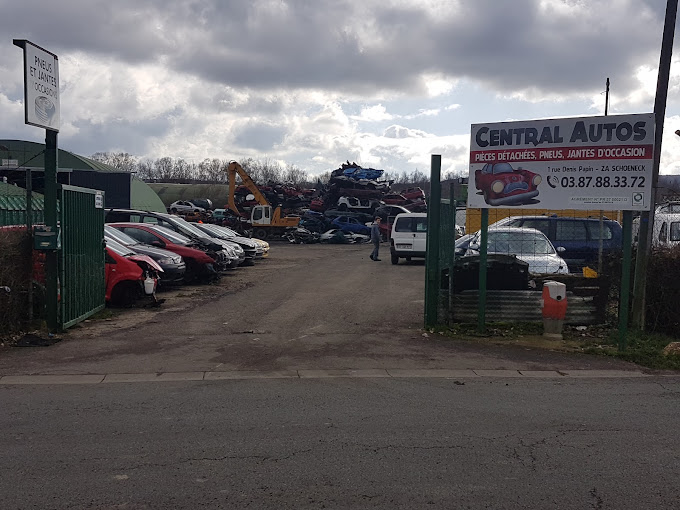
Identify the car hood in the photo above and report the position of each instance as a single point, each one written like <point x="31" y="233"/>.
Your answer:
<point x="147" y="259"/>
<point x="544" y="264"/>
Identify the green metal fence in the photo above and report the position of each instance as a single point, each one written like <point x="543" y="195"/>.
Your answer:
<point x="81" y="258"/>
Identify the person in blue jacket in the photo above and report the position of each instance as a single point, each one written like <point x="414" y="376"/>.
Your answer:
<point x="375" y="239"/>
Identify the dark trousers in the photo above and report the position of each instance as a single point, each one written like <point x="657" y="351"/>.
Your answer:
<point x="376" y="248"/>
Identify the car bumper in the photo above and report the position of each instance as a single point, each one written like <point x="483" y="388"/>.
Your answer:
<point x="172" y="275"/>
<point x="407" y="253"/>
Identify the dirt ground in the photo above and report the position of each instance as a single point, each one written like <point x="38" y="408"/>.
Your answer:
<point x="304" y="307"/>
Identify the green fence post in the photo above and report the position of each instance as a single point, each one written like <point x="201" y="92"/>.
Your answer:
<point x="432" y="255"/>
<point x="51" y="256"/>
<point x="452" y="261"/>
<point x="481" y="310"/>
<point x="625" y="278"/>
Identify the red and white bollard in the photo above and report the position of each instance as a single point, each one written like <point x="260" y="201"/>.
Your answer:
<point x="554" y="304"/>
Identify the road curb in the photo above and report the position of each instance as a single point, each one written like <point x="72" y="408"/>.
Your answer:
<point x="392" y="373"/>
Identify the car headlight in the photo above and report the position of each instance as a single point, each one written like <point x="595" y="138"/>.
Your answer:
<point x="167" y="261"/>
<point x="497" y="186"/>
<point x="536" y="180"/>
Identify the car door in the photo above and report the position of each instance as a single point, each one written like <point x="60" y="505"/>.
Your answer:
<point x="572" y="235"/>
<point x="353" y="225"/>
<point x="419" y="226"/>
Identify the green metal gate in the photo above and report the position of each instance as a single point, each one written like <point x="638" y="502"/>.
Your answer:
<point x="81" y="258"/>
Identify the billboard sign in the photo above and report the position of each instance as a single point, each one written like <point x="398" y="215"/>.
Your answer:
<point x="41" y="86"/>
<point x="584" y="163"/>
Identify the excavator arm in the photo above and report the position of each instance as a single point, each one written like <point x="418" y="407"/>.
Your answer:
<point x="233" y="169"/>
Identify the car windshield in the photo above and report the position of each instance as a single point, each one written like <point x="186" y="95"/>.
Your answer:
<point x="212" y="230"/>
<point x="118" y="236"/>
<point x="502" y="168"/>
<point x="171" y="235"/>
<point x="190" y="228"/>
<point x="228" y="231"/>
<point x="118" y="248"/>
<point x="519" y="243"/>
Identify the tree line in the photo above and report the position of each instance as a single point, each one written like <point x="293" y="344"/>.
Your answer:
<point x="262" y="171"/>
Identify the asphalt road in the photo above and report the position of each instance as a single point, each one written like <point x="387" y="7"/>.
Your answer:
<point x="306" y="307"/>
<point x="342" y="443"/>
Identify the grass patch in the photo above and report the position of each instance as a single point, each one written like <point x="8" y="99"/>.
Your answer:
<point x="522" y="334"/>
<point x="103" y="314"/>
<point x="645" y="349"/>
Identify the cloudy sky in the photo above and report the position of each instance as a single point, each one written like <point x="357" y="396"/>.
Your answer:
<point x="385" y="83"/>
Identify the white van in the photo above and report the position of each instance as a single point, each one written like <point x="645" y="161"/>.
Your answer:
<point x="409" y="236"/>
<point x="666" y="229"/>
<point x="666" y="225"/>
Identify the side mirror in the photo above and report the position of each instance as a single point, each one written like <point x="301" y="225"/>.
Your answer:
<point x="158" y="243"/>
<point x="561" y="249"/>
<point x="473" y="246"/>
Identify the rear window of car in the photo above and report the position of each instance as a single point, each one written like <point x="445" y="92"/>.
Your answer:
<point x="594" y="231"/>
<point x="571" y="231"/>
<point x="411" y="224"/>
<point x="538" y="224"/>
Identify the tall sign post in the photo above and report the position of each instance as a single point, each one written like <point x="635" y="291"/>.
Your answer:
<point x="41" y="109"/>
<point x="647" y="217"/>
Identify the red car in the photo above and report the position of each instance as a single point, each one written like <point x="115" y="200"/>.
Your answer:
<point x="414" y="194"/>
<point x="128" y="275"/>
<point x="501" y="184"/>
<point x="199" y="264"/>
<point x="395" y="199"/>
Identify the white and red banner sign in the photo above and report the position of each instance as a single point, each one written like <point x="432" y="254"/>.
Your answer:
<point x="600" y="163"/>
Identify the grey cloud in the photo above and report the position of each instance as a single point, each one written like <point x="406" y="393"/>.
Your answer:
<point x="358" y="47"/>
<point x="120" y="134"/>
<point x="259" y="136"/>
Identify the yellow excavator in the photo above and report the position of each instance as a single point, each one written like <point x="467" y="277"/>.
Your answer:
<point x="265" y="220"/>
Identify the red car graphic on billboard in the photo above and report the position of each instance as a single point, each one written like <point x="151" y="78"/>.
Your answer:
<point x="501" y="184"/>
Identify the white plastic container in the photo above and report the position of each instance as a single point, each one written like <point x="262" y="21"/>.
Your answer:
<point x="149" y="286"/>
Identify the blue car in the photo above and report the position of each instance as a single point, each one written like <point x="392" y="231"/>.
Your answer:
<point x="349" y="224"/>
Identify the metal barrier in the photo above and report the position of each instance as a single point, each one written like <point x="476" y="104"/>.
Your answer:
<point x="81" y="258"/>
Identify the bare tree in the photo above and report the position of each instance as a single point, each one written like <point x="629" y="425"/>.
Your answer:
<point x="119" y="160"/>
<point x="145" y="169"/>
<point x="163" y="168"/>
<point x="295" y="175"/>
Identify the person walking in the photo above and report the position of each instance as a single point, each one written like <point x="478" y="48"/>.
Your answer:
<point x="375" y="239"/>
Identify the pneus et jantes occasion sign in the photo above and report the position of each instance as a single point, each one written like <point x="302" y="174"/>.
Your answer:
<point x="41" y="86"/>
<point x="575" y="163"/>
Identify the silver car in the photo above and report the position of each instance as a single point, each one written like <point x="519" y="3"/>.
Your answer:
<point x="527" y="244"/>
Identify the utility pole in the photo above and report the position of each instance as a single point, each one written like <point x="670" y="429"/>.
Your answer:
<point x="647" y="217"/>
<point x="600" y="248"/>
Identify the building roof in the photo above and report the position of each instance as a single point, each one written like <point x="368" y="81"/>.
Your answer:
<point x="32" y="155"/>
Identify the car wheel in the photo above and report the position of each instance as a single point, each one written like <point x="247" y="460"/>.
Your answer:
<point x="260" y="233"/>
<point x="395" y="259"/>
<point x="408" y="259"/>
<point x="342" y="207"/>
<point x="173" y="210"/>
